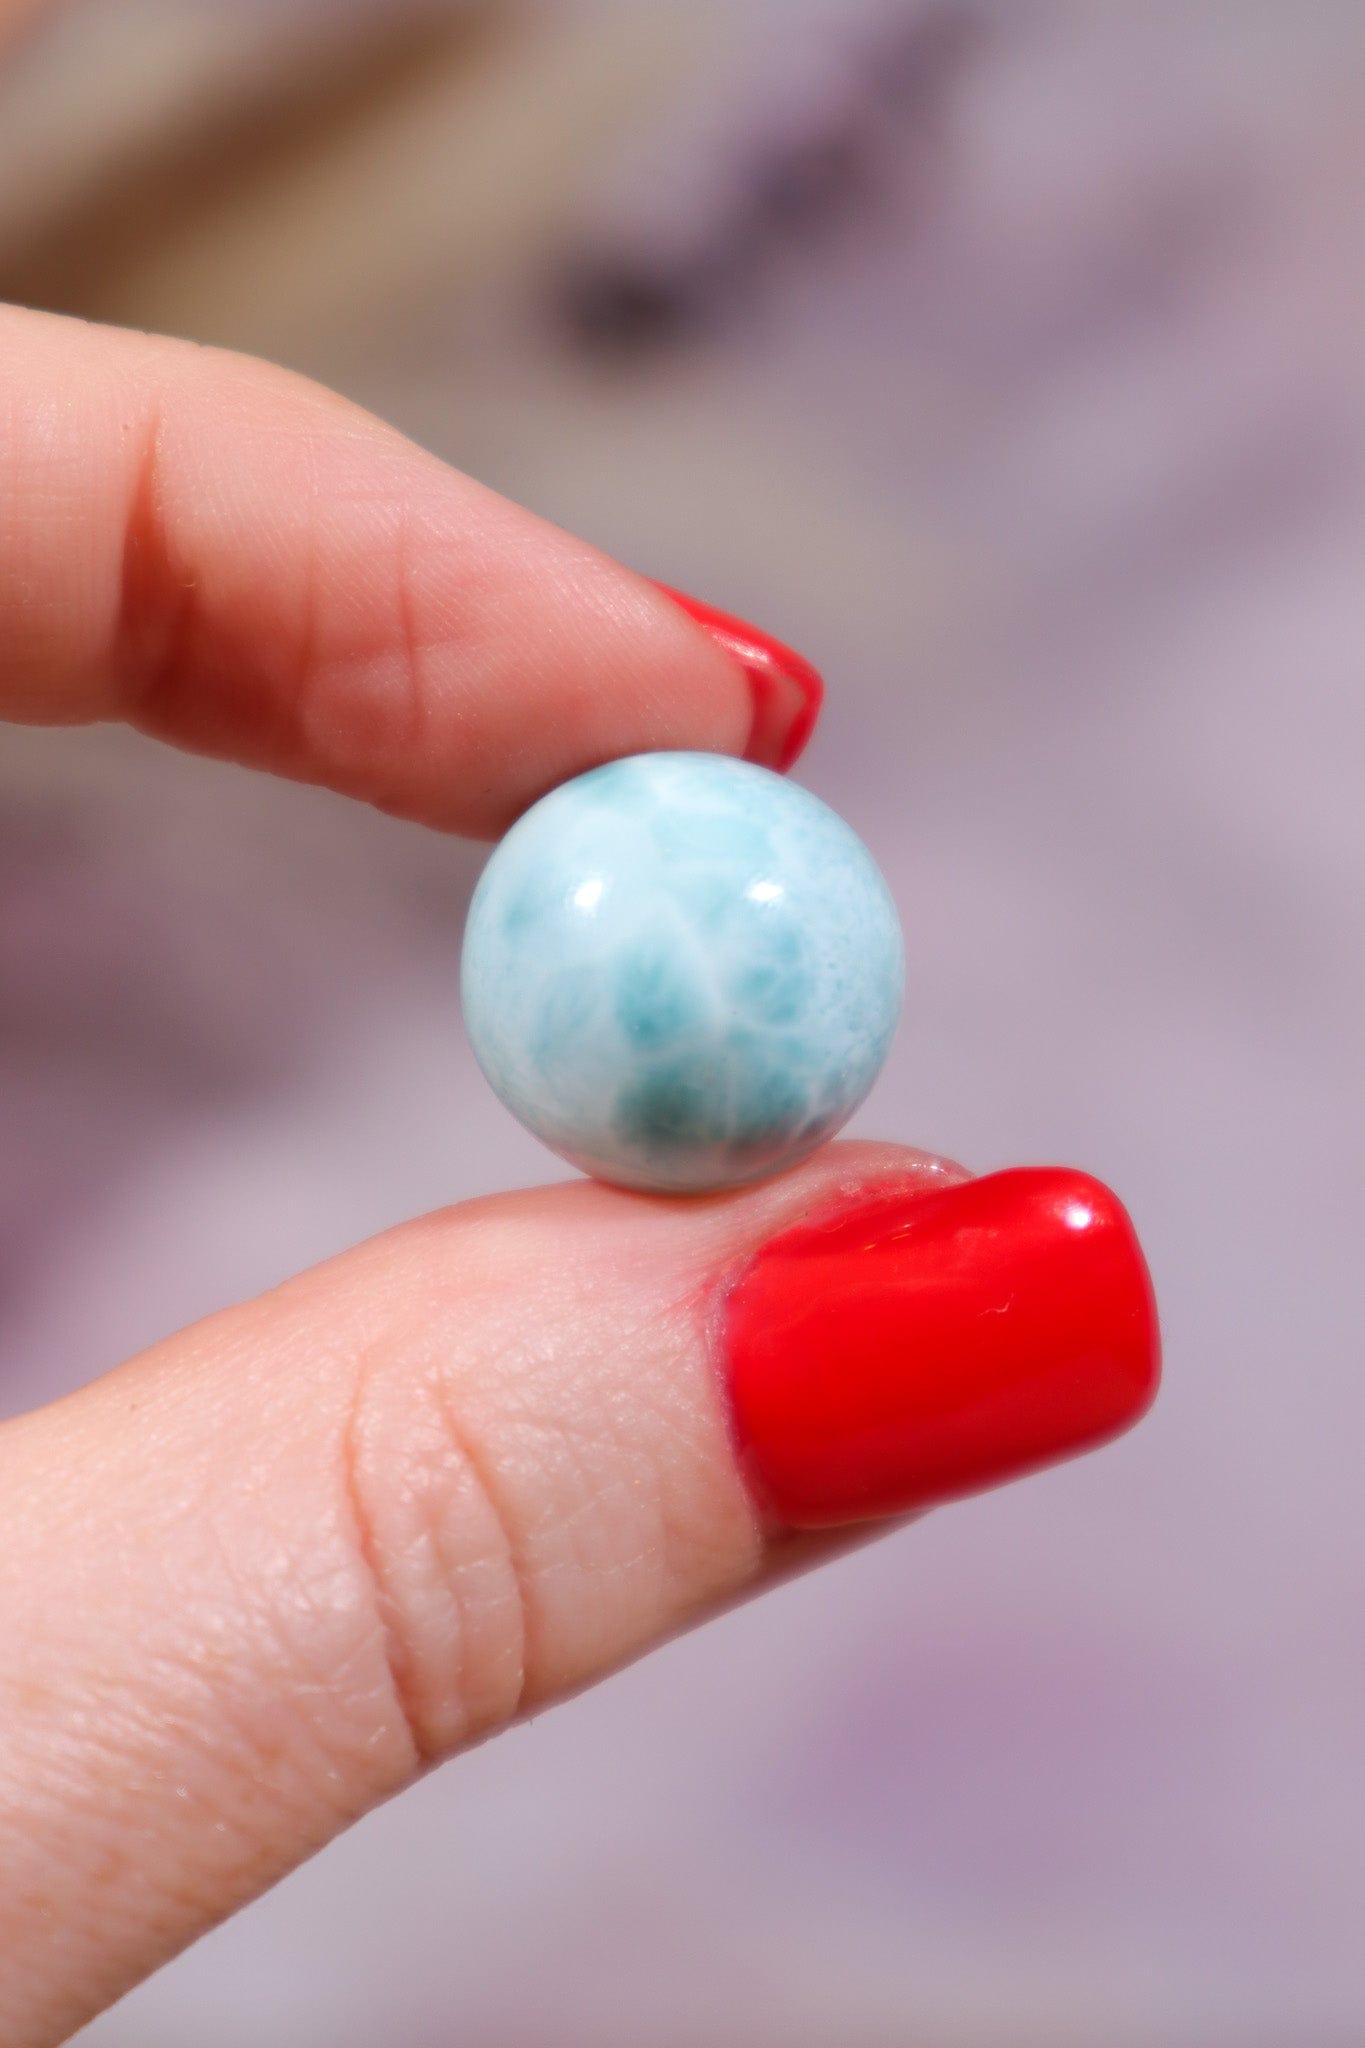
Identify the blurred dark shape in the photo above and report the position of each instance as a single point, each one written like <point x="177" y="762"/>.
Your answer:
<point x="908" y="62"/>
<point x="815" y="182"/>
<point x="823" y="174"/>
<point x="620" y="308"/>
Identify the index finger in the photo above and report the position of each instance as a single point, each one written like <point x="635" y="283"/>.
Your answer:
<point x="235" y="560"/>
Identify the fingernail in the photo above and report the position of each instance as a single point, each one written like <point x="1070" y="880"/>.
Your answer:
<point x="918" y="1346"/>
<point x="787" y="692"/>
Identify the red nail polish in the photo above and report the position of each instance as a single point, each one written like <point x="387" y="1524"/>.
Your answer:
<point x="927" y="1344"/>
<point x="787" y="692"/>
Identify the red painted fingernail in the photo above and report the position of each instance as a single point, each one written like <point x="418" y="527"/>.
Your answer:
<point x="787" y="692"/>
<point x="927" y="1344"/>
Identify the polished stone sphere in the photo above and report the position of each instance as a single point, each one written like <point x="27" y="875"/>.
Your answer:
<point x="681" y="972"/>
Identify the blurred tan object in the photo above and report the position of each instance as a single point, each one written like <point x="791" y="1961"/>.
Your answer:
<point x="283" y="181"/>
<point x="15" y="15"/>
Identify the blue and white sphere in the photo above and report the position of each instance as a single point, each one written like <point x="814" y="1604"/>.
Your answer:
<point x="681" y="972"/>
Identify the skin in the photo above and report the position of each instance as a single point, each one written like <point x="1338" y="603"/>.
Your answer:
<point x="261" y="1577"/>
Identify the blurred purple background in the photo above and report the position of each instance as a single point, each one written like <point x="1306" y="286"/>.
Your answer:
<point x="1010" y="360"/>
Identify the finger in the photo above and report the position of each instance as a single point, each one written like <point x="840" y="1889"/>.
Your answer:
<point x="251" y="1583"/>
<point x="246" y="565"/>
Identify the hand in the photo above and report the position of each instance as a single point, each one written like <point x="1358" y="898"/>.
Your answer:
<point x="254" y="1581"/>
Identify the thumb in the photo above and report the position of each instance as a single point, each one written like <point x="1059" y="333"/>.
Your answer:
<point x="256" y="1579"/>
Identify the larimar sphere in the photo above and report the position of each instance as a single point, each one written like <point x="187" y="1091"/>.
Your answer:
<point x="681" y="972"/>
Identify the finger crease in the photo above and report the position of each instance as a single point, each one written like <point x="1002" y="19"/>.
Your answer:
<point x="396" y="1656"/>
<point x="402" y="1660"/>
<point x="157" y="593"/>
<point x="413" y="663"/>
<point x="481" y="1478"/>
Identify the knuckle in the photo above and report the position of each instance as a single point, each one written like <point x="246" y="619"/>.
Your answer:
<point x="439" y="1556"/>
<point x="538" y="1487"/>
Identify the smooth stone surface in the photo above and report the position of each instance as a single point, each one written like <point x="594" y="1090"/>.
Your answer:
<point x="681" y="972"/>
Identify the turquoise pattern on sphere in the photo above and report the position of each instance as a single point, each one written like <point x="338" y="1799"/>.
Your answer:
<point x="681" y="972"/>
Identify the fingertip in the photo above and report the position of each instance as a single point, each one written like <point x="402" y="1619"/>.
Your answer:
<point x="786" y="691"/>
<point x="906" y="1348"/>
